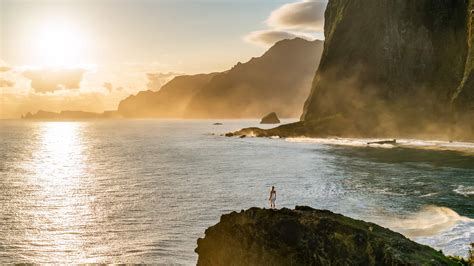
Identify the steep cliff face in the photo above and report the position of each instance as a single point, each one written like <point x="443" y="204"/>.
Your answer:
<point x="169" y="102"/>
<point x="279" y="81"/>
<point x="464" y="95"/>
<point x="305" y="236"/>
<point x="392" y="67"/>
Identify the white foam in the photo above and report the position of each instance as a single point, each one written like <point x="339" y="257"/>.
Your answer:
<point x="429" y="195"/>
<point x="340" y="141"/>
<point x="405" y="143"/>
<point x="465" y="191"/>
<point x="439" y="227"/>
<point x="429" y="221"/>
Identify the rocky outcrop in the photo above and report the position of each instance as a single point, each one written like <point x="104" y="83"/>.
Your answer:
<point x="271" y="118"/>
<point x="278" y="81"/>
<point x="306" y="236"/>
<point x="394" y="68"/>
<point x="169" y="102"/>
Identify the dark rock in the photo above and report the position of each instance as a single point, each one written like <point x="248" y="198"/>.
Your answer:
<point x="271" y="118"/>
<point x="306" y="236"/>
<point x="217" y="124"/>
<point x="230" y="134"/>
<point x="394" y="67"/>
<point x="393" y="142"/>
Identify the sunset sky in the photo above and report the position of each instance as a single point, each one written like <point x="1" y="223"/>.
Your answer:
<point x="89" y="54"/>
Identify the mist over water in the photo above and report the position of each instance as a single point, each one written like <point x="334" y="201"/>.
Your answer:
<point x="145" y="190"/>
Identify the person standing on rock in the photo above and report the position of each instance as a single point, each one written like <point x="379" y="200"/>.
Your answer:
<point x="273" y="197"/>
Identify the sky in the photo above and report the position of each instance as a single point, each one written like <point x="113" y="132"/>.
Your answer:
<point x="89" y="54"/>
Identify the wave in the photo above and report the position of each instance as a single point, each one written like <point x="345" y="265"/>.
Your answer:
<point x="465" y="191"/>
<point x="403" y="143"/>
<point x="439" y="227"/>
<point x="428" y="221"/>
<point x="340" y="141"/>
<point x="429" y="195"/>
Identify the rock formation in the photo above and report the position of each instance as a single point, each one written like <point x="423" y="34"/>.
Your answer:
<point x="306" y="236"/>
<point x="391" y="67"/>
<point x="394" y="68"/>
<point x="271" y="118"/>
<point x="279" y="81"/>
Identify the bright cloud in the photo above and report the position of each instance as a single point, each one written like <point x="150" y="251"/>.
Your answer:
<point x="304" y="19"/>
<point x="47" y="80"/>
<point x="4" y="83"/>
<point x="306" y="15"/>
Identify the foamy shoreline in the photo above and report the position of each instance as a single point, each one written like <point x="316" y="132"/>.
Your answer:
<point x="401" y="143"/>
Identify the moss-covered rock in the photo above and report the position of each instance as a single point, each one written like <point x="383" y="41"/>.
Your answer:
<point x="306" y="236"/>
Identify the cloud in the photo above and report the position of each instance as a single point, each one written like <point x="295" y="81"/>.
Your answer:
<point x="156" y="80"/>
<point x="305" y="15"/>
<point x="269" y="37"/>
<point x="47" y="80"/>
<point x="4" y="69"/>
<point x="6" y="83"/>
<point x="108" y="86"/>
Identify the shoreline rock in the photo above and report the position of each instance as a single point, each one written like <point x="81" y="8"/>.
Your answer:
<point x="271" y="118"/>
<point x="306" y="236"/>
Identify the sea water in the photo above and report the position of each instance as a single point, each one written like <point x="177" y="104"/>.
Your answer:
<point x="145" y="190"/>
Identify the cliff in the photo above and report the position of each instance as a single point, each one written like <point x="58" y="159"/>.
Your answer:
<point x="169" y="102"/>
<point x="306" y="236"/>
<point x="278" y="81"/>
<point x="394" y="69"/>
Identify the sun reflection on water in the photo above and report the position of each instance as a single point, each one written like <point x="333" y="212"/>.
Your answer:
<point x="58" y="166"/>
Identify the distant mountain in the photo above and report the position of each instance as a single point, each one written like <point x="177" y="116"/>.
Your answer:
<point x="169" y="102"/>
<point x="70" y="115"/>
<point x="279" y="81"/>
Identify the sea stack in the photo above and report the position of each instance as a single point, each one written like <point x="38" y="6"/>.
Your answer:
<point x="271" y="118"/>
<point x="305" y="236"/>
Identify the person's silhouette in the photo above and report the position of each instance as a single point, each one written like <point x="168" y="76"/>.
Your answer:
<point x="272" y="199"/>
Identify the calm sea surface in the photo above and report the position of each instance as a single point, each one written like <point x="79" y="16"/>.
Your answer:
<point x="145" y="190"/>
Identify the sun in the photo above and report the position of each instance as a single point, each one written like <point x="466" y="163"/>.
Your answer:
<point x="59" y="45"/>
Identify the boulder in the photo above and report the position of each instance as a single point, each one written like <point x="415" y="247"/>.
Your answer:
<point x="271" y="118"/>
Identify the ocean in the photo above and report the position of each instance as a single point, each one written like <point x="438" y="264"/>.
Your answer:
<point x="143" y="191"/>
